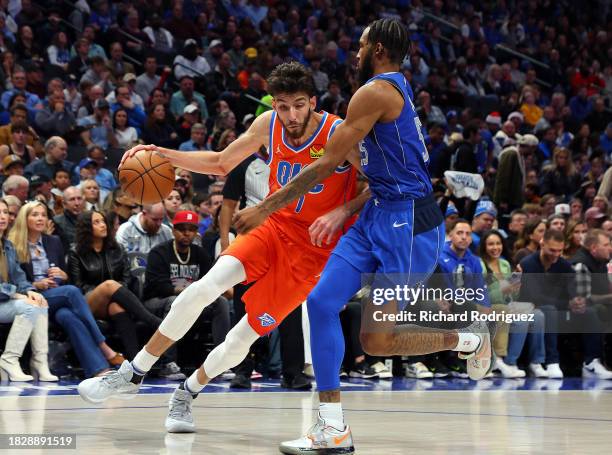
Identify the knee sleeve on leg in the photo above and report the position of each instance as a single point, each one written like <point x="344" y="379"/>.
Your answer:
<point x="186" y="308"/>
<point x="232" y="351"/>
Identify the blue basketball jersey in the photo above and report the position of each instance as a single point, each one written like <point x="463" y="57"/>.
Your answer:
<point x="393" y="154"/>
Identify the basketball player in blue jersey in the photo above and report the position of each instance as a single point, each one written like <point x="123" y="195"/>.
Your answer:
<point x="399" y="231"/>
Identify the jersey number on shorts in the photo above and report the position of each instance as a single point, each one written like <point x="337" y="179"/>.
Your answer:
<point x="419" y="128"/>
<point x="286" y="172"/>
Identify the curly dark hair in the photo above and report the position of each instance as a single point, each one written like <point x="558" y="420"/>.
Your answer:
<point x="291" y="77"/>
<point x="84" y="233"/>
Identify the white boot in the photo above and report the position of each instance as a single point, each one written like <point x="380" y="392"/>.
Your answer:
<point x="39" y="365"/>
<point x="18" y="337"/>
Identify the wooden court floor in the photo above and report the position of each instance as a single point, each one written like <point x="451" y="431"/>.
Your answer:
<point x="414" y="417"/>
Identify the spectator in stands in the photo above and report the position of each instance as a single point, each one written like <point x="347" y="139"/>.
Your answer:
<point x="161" y="39"/>
<point x="147" y="81"/>
<point x="11" y="165"/>
<point x="42" y="258"/>
<point x="172" y="266"/>
<point x="158" y="128"/>
<point x="16" y="185"/>
<point x="19" y="82"/>
<point x="125" y="136"/>
<point x="580" y="105"/>
<point x="18" y="146"/>
<point x="73" y="206"/>
<point x="91" y="93"/>
<point x="190" y="63"/>
<point x="594" y="218"/>
<point x="484" y="218"/>
<point x="91" y="193"/>
<point x="427" y="111"/>
<point x="187" y="95"/>
<point x="529" y="241"/>
<point x="57" y="118"/>
<point x="79" y="64"/>
<point x="225" y="120"/>
<point x="136" y="115"/>
<point x="172" y="203"/>
<point x="56" y="151"/>
<point x="144" y="230"/>
<point x="116" y="64"/>
<point x="518" y="219"/>
<point x="574" y="236"/>
<point x="561" y="177"/>
<point x="214" y="52"/>
<point x="58" y="52"/>
<point x="99" y="130"/>
<point x="104" y="177"/>
<point x="129" y="79"/>
<point x="181" y="27"/>
<point x="556" y="222"/>
<point x="40" y="190"/>
<point x="19" y="114"/>
<point x="100" y="268"/>
<point x="98" y="74"/>
<point x="184" y="185"/>
<point x="605" y="140"/>
<point x="25" y="309"/>
<point x="500" y="286"/>
<point x="198" y="137"/>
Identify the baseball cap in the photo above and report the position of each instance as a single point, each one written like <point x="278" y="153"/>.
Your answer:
<point x="180" y="179"/>
<point x="87" y="162"/>
<point x="562" y="209"/>
<point x="251" y="52"/>
<point x="10" y="160"/>
<point x="38" y="179"/>
<point x="215" y="42"/>
<point x="185" y="217"/>
<point x="101" y="104"/>
<point x="190" y="42"/>
<point x="127" y="77"/>
<point x="451" y="210"/>
<point x="528" y="139"/>
<point x="485" y="207"/>
<point x="190" y="109"/>
<point x="593" y="214"/>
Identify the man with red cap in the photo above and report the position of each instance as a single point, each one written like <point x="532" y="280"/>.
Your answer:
<point x="171" y="267"/>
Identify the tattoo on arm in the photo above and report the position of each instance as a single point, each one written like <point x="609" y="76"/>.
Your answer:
<point x="299" y="186"/>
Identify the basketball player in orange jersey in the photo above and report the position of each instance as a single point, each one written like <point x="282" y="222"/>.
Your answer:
<point x="284" y="256"/>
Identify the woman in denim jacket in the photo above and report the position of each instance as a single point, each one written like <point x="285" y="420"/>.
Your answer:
<point x="26" y="309"/>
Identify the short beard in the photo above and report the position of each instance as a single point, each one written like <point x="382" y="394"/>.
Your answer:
<point x="298" y="134"/>
<point x="366" y="71"/>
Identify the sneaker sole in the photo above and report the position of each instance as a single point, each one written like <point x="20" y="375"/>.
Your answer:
<point x="180" y="428"/>
<point x="362" y="376"/>
<point x="591" y="375"/>
<point x="331" y="451"/>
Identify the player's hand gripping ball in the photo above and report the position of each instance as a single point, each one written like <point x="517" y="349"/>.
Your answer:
<point x="147" y="177"/>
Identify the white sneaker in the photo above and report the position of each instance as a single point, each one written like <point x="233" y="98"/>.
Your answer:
<point x="321" y="439"/>
<point x="596" y="369"/>
<point x="114" y="383"/>
<point x="382" y="371"/>
<point x="537" y="371"/>
<point x="418" y="370"/>
<point x="479" y="362"/>
<point x="554" y="371"/>
<point x="508" y="371"/>
<point x="180" y="419"/>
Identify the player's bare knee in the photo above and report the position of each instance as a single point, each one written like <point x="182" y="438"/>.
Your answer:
<point x="376" y="344"/>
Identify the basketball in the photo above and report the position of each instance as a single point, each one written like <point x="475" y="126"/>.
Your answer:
<point x="147" y="177"/>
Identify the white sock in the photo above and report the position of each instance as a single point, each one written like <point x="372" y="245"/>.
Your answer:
<point x="468" y="342"/>
<point x="192" y="384"/>
<point x="143" y="362"/>
<point x="332" y="414"/>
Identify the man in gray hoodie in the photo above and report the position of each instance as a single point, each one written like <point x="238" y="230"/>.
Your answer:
<point x="144" y="230"/>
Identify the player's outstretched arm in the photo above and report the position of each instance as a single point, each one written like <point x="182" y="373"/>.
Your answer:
<point x="364" y="110"/>
<point x="217" y="163"/>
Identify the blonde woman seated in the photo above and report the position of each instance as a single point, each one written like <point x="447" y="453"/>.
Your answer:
<point x="42" y="258"/>
<point x="26" y="309"/>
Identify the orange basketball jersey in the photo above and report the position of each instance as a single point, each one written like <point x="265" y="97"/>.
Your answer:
<point x="286" y="162"/>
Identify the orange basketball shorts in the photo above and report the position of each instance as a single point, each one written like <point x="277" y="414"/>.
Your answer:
<point x="284" y="273"/>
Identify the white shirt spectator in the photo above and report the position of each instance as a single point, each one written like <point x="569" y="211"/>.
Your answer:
<point x="200" y="67"/>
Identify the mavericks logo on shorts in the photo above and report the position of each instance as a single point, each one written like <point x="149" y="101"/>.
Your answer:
<point x="266" y="320"/>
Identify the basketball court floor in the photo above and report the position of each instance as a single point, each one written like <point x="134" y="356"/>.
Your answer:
<point x="403" y="416"/>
